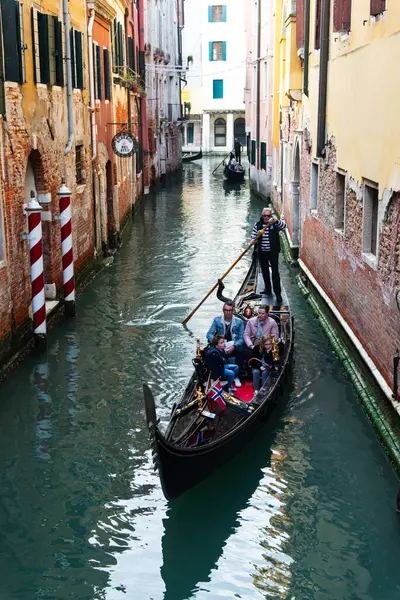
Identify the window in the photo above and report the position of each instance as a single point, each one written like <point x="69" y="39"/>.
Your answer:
<point x="78" y="164"/>
<point x="218" y="89"/>
<point x="370" y="219"/>
<point x="220" y="132"/>
<point x="76" y="42"/>
<point x="314" y="185"/>
<point x="317" y="24"/>
<point x="107" y="74"/>
<point x="263" y="157"/>
<point x="13" y="41"/>
<point x="217" y="51"/>
<point x="253" y="152"/>
<point x="98" y="72"/>
<point x="342" y="15"/>
<point x="47" y="49"/>
<point x="131" y="54"/>
<point x="340" y="200"/>
<point x="118" y="44"/>
<point x="239" y="130"/>
<point x="190" y="133"/>
<point x="217" y="13"/>
<point x="377" y="7"/>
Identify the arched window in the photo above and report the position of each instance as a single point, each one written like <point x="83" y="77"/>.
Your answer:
<point x="239" y="131"/>
<point x="220" y="132"/>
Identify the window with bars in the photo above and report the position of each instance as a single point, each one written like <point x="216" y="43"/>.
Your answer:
<point x="340" y="200"/>
<point x="217" y="51"/>
<point x="47" y="45"/>
<point x="13" y="41"/>
<point x="217" y="13"/>
<point x="342" y="15"/>
<point x="220" y="132"/>
<point x="79" y="164"/>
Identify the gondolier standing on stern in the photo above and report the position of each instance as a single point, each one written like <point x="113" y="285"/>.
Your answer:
<point x="268" y="247"/>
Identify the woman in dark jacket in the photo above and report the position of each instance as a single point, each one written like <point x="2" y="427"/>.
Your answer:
<point x="263" y="364"/>
<point x="217" y="362"/>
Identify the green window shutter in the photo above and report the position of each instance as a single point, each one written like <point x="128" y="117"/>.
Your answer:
<point x="58" y="52"/>
<point x="223" y="50"/>
<point x="99" y="73"/>
<point x="210" y="50"/>
<point x="73" y="60"/>
<point x="263" y="159"/>
<point x="12" y="40"/>
<point x="43" y="30"/>
<point x="121" y="46"/>
<point x="218" y="88"/>
<point x="210" y="16"/>
<point x="224" y="13"/>
<point x="142" y="67"/>
<point x="114" y="43"/>
<point x="107" y="74"/>
<point x="131" y="48"/>
<point x="253" y="152"/>
<point x="79" y="60"/>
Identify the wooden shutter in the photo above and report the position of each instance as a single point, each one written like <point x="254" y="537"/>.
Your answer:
<point x="263" y="158"/>
<point x="210" y="51"/>
<point x="79" y="60"/>
<point x="10" y="14"/>
<point x="317" y="24"/>
<point x="120" y="47"/>
<point x="342" y="15"/>
<point x="300" y="23"/>
<point x="107" y="74"/>
<point x="35" y="45"/>
<point x="223" y="50"/>
<point x="142" y="67"/>
<point x="73" y="61"/>
<point x="210" y="14"/>
<point x="131" y="51"/>
<point x="99" y="73"/>
<point x="58" y="52"/>
<point x="253" y="152"/>
<point x="43" y="30"/>
<point x="218" y="88"/>
<point x="224" y="13"/>
<point x="377" y="7"/>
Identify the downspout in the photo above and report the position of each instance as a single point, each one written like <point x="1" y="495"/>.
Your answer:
<point x="306" y="46"/>
<point x="258" y="84"/>
<point x="92" y="107"/>
<point x="323" y="76"/>
<point x="128" y="91"/>
<point x="140" y="105"/>
<point x="69" y="79"/>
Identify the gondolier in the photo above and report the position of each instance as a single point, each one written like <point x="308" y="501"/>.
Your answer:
<point x="269" y="247"/>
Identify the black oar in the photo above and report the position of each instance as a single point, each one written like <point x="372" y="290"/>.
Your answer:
<point x="225" y="157"/>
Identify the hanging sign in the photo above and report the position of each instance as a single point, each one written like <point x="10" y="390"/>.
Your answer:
<point x="124" y="144"/>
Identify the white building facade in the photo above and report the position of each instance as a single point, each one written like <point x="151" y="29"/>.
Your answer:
<point x="214" y="49"/>
<point x="163" y="57"/>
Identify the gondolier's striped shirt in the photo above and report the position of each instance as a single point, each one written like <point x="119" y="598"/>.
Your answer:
<point x="265" y="240"/>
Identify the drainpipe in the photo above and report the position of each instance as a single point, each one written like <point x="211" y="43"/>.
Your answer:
<point x="306" y="46"/>
<point x="323" y="77"/>
<point x="258" y="83"/>
<point x="128" y="91"/>
<point x="69" y="79"/>
<point x="92" y="108"/>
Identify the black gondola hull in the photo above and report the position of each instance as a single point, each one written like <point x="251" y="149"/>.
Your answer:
<point x="233" y="176"/>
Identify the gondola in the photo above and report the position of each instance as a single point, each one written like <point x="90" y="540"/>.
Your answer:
<point x="234" y="174"/>
<point x="189" y="156"/>
<point x="195" y="444"/>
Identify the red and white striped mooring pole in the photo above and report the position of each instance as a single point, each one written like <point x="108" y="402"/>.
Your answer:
<point x="34" y="211"/>
<point x="66" y="249"/>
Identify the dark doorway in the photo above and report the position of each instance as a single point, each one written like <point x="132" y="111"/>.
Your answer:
<point x="239" y="131"/>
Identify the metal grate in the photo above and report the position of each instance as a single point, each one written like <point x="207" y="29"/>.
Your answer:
<point x="78" y="164"/>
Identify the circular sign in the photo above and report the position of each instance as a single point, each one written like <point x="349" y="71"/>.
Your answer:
<point x="124" y="144"/>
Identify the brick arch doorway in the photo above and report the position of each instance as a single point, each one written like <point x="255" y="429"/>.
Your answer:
<point x="296" y="201"/>
<point x="35" y="180"/>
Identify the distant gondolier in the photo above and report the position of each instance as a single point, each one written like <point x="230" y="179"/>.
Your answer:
<point x="238" y="151"/>
<point x="268" y="250"/>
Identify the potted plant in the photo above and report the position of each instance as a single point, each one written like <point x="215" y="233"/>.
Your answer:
<point x="189" y="60"/>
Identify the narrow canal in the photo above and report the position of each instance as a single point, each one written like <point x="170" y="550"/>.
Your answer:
<point x="305" y="512"/>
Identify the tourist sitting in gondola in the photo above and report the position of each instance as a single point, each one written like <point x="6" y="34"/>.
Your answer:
<point x="217" y="362"/>
<point x="232" y="329"/>
<point x="261" y="362"/>
<point x="260" y="325"/>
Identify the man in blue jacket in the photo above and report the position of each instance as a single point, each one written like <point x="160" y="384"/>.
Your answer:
<point x="232" y="328"/>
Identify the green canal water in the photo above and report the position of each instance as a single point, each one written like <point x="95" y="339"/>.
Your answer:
<point x="306" y="511"/>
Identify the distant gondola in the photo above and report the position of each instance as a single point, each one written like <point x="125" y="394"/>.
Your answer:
<point x="194" y="444"/>
<point x="189" y="156"/>
<point x="234" y="173"/>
